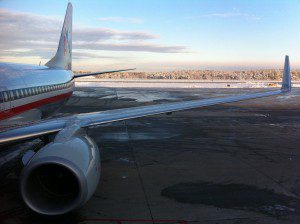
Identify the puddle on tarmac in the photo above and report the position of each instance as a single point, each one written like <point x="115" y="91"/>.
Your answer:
<point x="233" y="196"/>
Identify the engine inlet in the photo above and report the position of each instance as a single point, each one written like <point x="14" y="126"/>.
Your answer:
<point x="51" y="188"/>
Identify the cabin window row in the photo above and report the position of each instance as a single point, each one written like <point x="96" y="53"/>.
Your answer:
<point x="16" y="94"/>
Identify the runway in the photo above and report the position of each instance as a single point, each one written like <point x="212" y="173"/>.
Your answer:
<point x="234" y="163"/>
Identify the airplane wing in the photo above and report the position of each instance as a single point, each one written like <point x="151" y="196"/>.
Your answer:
<point x="100" y="73"/>
<point x="85" y="120"/>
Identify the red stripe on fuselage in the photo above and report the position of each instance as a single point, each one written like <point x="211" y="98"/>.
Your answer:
<point x="20" y="109"/>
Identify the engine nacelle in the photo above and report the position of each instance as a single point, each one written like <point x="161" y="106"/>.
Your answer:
<point x="61" y="176"/>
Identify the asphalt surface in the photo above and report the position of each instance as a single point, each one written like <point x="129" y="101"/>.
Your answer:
<point x="233" y="163"/>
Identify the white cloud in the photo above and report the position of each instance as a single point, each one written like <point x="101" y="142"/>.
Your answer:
<point x="131" y="46"/>
<point x="39" y="35"/>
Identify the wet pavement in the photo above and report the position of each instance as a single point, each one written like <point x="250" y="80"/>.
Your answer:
<point x="232" y="163"/>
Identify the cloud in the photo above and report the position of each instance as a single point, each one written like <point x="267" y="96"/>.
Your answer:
<point x="45" y="54"/>
<point x="39" y="35"/>
<point x="143" y="47"/>
<point x="96" y="34"/>
<point x="231" y="15"/>
<point x="121" y="19"/>
<point x="88" y="55"/>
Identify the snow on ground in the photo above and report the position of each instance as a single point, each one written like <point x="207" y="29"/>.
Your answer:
<point x="138" y="97"/>
<point x="125" y="83"/>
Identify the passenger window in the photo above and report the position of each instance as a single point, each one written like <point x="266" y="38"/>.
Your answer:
<point x="18" y="93"/>
<point x="5" y="96"/>
<point x="15" y="94"/>
<point x="11" y="93"/>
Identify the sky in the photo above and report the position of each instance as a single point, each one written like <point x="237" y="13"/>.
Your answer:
<point x="155" y="35"/>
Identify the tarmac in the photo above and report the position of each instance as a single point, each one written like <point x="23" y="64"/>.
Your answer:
<point x="231" y="163"/>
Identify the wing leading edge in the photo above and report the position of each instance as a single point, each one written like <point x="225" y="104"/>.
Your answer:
<point x="90" y="119"/>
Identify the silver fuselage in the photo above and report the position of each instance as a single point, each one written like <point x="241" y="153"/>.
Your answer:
<point x="30" y="92"/>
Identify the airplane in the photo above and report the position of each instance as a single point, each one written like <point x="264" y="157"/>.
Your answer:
<point x="64" y="173"/>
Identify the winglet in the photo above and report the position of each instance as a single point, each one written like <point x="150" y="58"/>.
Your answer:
<point x="286" y="79"/>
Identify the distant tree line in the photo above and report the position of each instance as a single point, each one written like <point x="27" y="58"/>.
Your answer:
<point x="262" y="74"/>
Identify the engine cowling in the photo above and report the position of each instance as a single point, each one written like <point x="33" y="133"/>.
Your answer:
<point x="61" y="176"/>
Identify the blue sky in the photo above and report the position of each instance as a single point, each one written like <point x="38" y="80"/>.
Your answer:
<point x="172" y="34"/>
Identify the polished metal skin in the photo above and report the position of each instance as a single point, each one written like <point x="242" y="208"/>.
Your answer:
<point x="61" y="176"/>
<point x="16" y="76"/>
<point x="32" y="91"/>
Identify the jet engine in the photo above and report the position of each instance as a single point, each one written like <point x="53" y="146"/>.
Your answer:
<point x="61" y="176"/>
